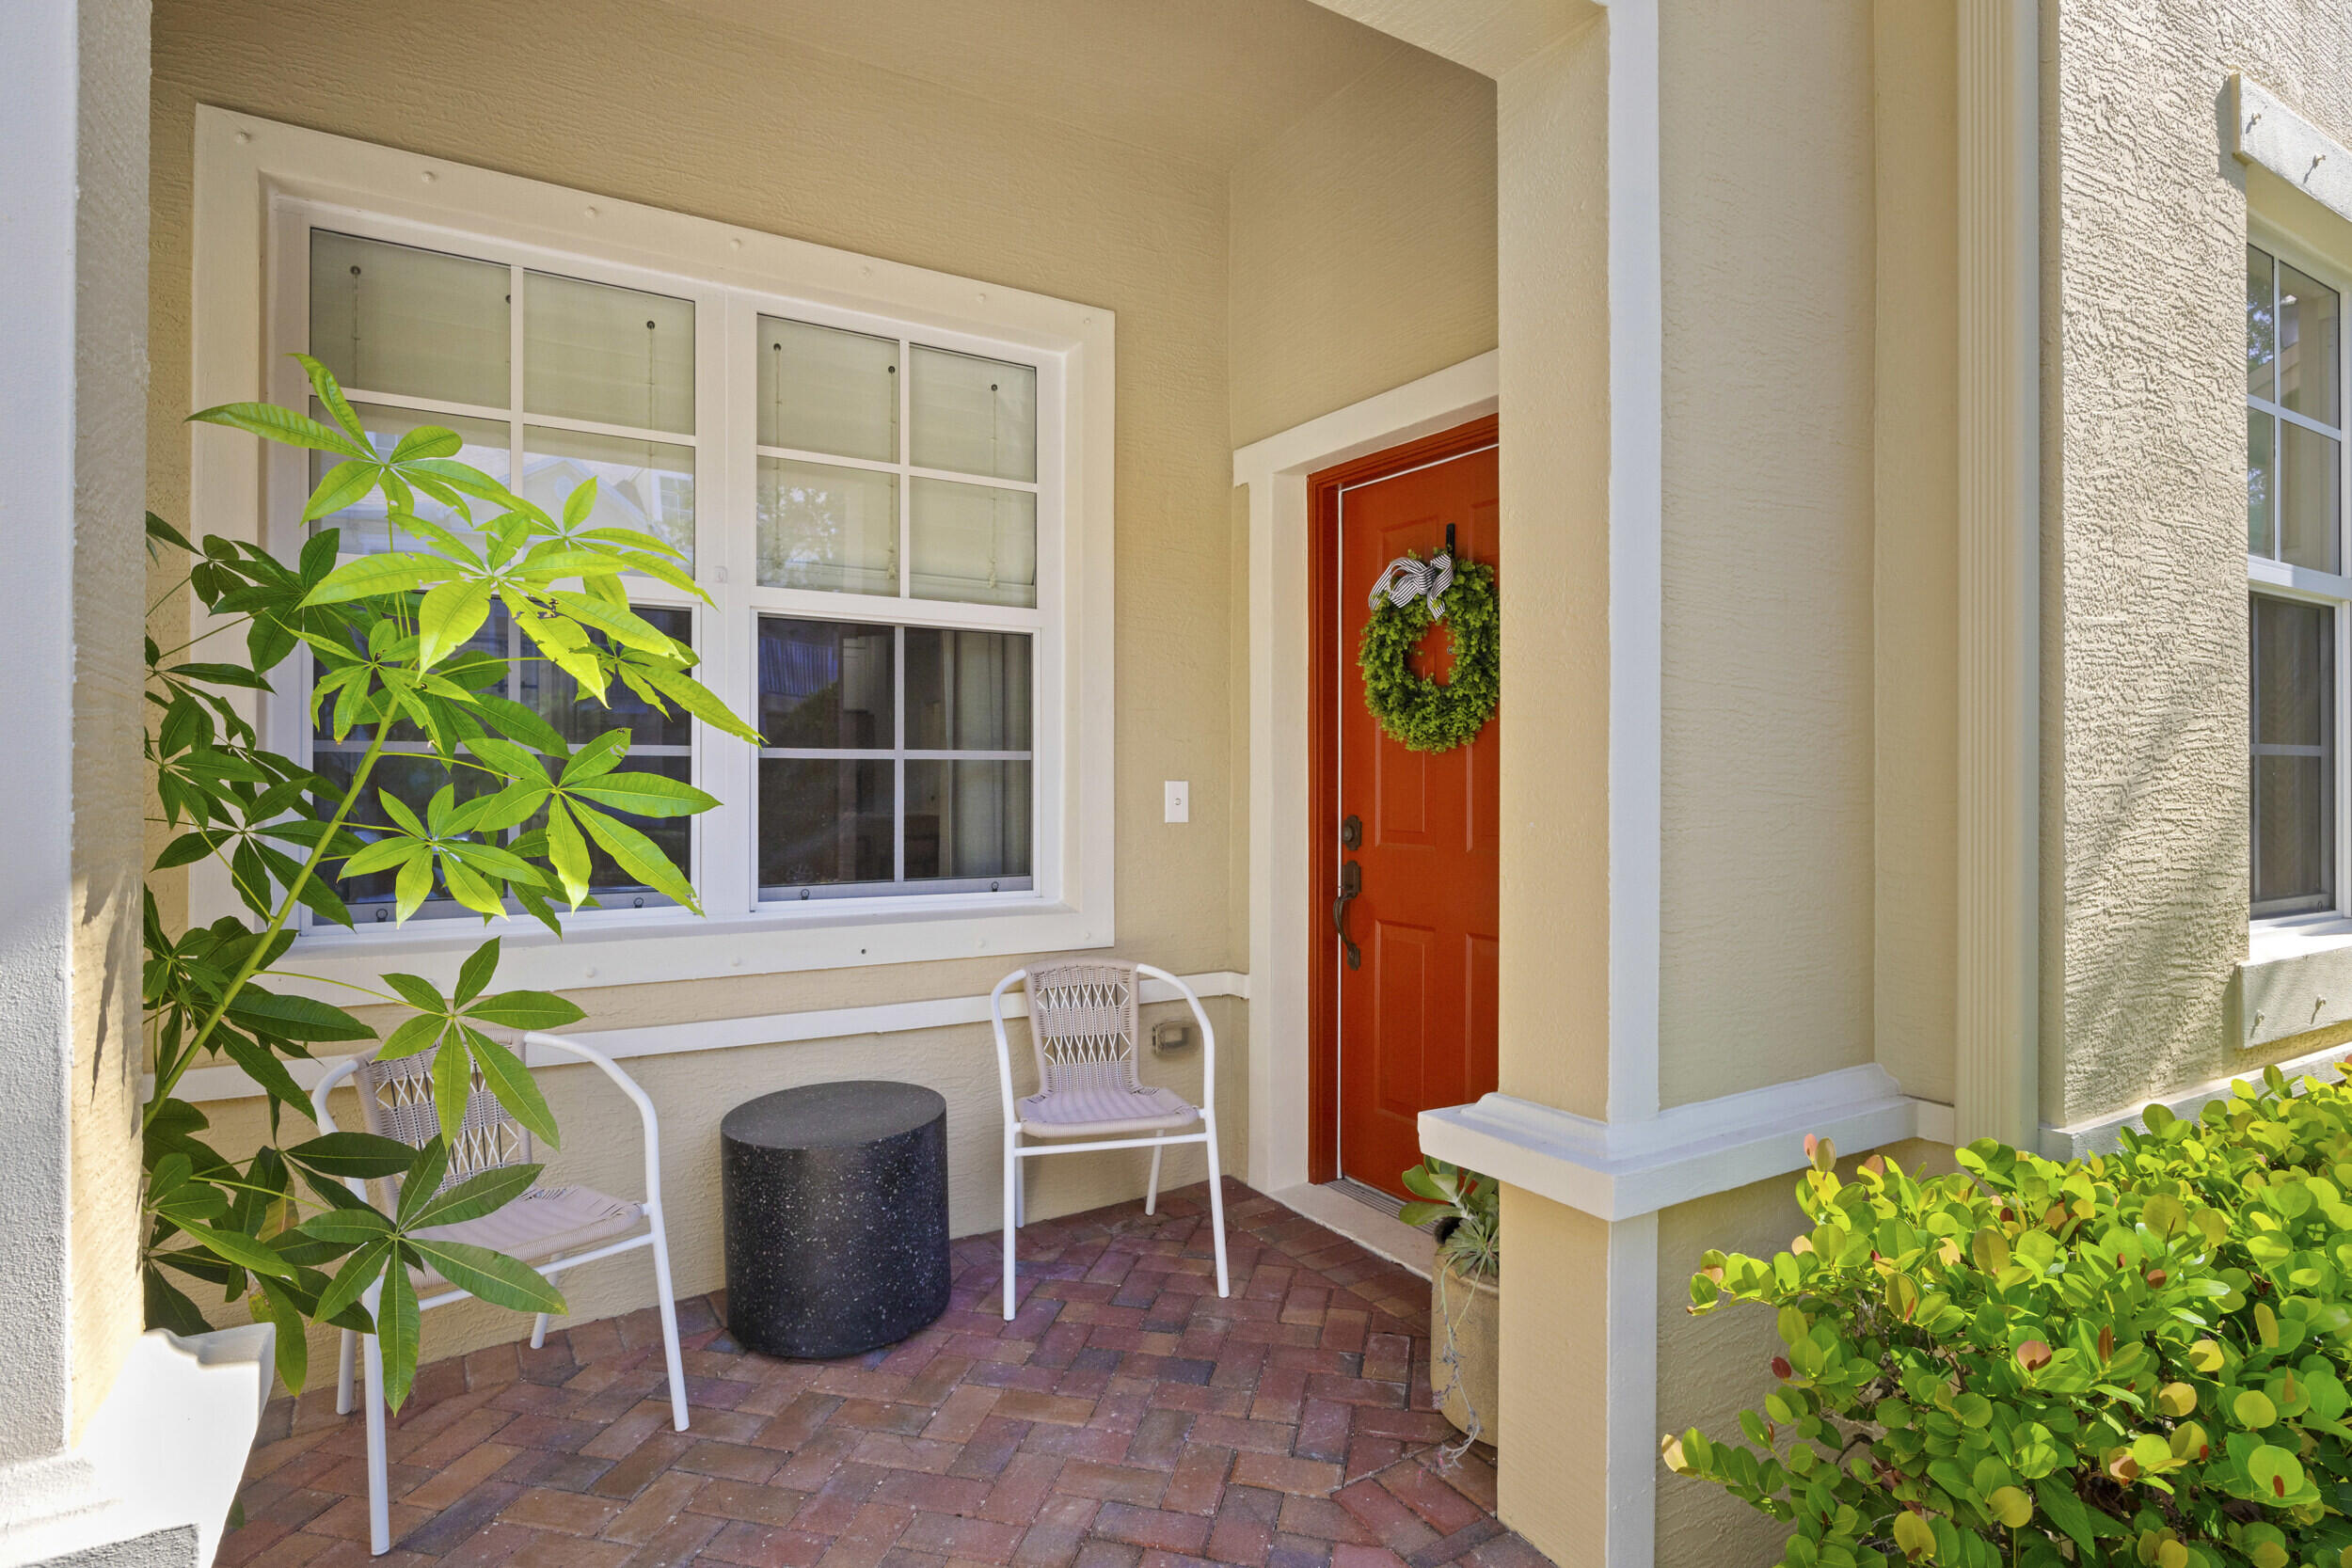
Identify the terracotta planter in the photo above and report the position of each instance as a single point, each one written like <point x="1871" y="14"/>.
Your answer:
<point x="1465" y="1341"/>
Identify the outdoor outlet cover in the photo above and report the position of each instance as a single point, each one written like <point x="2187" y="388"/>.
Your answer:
<point x="1179" y="801"/>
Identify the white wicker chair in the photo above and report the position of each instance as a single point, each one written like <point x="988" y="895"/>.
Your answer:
<point x="553" y="1229"/>
<point x="1082" y="1021"/>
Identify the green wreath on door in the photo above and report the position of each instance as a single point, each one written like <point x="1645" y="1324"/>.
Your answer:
<point x="1411" y="595"/>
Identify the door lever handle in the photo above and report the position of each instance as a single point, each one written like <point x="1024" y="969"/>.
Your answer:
<point x="1351" y="888"/>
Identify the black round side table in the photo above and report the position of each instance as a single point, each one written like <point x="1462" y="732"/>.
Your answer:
<point x="836" y="1214"/>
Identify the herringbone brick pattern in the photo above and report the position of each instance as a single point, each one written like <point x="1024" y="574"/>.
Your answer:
<point x="1128" y="1417"/>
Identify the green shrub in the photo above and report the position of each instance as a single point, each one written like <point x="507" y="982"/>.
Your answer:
<point x="2135" y="1358"/>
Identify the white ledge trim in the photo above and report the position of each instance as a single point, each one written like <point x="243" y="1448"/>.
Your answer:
<point x="2103" y="1134"/>
<point x="2272" y="134"/>
<point x="1622" y="1170"/>
<point x="229" y="1082"/>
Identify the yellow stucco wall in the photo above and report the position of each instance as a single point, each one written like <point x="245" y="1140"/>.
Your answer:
<point x="1363" y="244"/>
<point x="653" y="105"/>
<point x="1916" y="543"/>
<point x="1767" y="223"/>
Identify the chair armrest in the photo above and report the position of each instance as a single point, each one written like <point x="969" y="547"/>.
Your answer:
<point x="1004" y="1051"/>
<point x="628" y="1087"/>
<point x="1208" y="1031"/>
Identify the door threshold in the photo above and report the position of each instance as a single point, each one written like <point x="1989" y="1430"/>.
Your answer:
<point x="1366" y="1217"/>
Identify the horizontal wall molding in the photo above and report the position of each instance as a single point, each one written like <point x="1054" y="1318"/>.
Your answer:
<point x="2272" y="135"/>
<point x="229" y="1082"/>
<point x="1622" y="1170"/>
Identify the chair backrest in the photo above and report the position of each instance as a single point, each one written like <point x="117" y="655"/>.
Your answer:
<point x="1082" y="1019"/>
<point x="396" y="1099"/>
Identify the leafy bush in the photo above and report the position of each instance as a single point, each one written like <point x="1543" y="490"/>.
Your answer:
<point x="390" y="663"/>
<point x="2135" y="1358"/>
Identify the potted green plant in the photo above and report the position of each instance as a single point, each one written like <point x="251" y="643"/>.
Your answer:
<point x="1464" y="1297"/>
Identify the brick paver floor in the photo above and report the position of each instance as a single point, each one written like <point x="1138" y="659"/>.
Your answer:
<point x="1128" y="1417"/>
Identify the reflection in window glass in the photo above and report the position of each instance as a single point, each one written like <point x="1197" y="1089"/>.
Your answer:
<point x="2292" y="726"/>
<point x="2261" y="325"/>
<point x="972" y="416"/>
<point x="973" y="543"/>
<point x="828" y="528"/>
<point x="2310" y="346"/>
<point x="594" y="351"/>
<point x="824" y="390"/>
<point x="644" y="486"/>
<point x="393" y="318"/>
<point x="863" y="790"/>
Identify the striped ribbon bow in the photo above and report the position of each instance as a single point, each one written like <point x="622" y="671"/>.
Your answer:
<point x="1406" y="579"/>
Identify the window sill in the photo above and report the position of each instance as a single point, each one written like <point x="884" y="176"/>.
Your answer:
<point x="652" y="946"/>
<point x="2296" y="976"/>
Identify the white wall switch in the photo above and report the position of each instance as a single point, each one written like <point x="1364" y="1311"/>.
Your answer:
<point x="1179" y="801"/>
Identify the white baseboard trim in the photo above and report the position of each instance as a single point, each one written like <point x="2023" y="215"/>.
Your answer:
<point x="229" y="1082"/>
<point x="1620" y="1170"/>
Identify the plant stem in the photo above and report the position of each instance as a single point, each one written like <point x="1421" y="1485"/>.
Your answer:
<point x="168" y="1079"/>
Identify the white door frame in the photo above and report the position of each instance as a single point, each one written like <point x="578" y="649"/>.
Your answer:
<point x="1275" y="471"/>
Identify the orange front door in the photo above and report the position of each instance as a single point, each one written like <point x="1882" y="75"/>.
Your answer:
<point x="1415" y="1025"/>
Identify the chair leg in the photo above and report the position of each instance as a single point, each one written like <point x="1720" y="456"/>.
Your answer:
<point x="1216" y="1207"/>
<point x="539" y="1332"/>
<point x="1012" y="1217"/>
<point x="380" y="1477"/>
<point x="342" y="1371"/>
<point x="669" y="1324"/>
<point x="1151" y="1188"/>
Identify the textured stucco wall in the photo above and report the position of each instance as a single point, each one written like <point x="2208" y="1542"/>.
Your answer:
<point x="1363" y="244"/>
<point x="656" y="106"/>
<point x="2144" y="577"/>
<point x="110" y="419"/>
<point x="1767" y="219"/>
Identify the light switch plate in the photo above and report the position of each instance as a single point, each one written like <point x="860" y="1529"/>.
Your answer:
<point x="1179" y="801"/>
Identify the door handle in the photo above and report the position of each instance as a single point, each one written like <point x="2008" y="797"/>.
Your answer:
<point x="1351" y="888"/>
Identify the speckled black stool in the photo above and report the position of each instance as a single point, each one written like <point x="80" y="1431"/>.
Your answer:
<point x="835" y="1207"/>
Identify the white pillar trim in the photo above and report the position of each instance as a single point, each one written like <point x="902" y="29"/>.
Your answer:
<point x="2000" y="612"/>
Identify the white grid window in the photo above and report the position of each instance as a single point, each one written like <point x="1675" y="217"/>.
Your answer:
<point x="878" y="584"/>
<point x="2296" y="612"/>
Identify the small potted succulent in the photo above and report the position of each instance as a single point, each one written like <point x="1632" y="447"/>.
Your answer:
<point x="1465" y="1303"/>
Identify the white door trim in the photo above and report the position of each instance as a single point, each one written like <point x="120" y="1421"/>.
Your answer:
<point x="1275" y="471"/>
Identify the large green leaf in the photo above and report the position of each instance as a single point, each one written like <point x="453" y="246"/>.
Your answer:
<point x="506" y="1077"/>
<point x="342" y="486"/>
<point x="644" y="794"/>
<point x="352" y="1281"/>
<point x="526" y="1009"/>
<point x="475" y="972"/>
<point x="477" y="1196"/>
<point x="355" y="1226"/>
<point x="396" y="1332"/>
<point x="247" y="1252"/>
<point x="360" y="1154"/>
<point x="451" y="613"/>
<point x="273" y="423"/>
<point x="638" y="855"/>
<point x="330" y="392"/>
<point x="296" y="1017"/>
<point x="494" y="1277"/>
<point x="395" y="572"/>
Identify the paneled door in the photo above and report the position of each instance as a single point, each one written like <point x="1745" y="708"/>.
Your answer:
<point x="1412" y="839"/>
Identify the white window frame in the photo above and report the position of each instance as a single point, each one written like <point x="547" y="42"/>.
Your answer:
<point x="259" y="187"/>
<point x="2284" y="580"/>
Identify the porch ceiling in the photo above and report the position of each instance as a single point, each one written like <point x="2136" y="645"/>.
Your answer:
<point x="1205" y="80"/>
